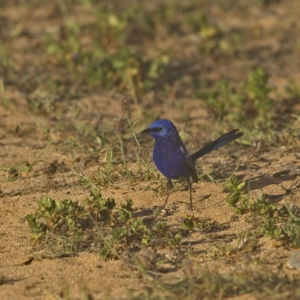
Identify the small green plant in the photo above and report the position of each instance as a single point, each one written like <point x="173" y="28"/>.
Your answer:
<point x="97" y="206"/>
<point x="174" y="238"/>
<point x="5" y="59"/>
<point x="128" y="232"/>
<point x="62" y="226"/>
<point x="189" y="223"/>
<point x="279" y="223"/>
<point x="239" y="105"/>
<point x="235" y="188"/>
<point x="110" y="61"/>
<point x="66" y="220"/>
<point x="124" y="234"/>
<point x="61" y="217"/>
<point x="288" y="232"/>
<point x="160" y="228"/>
<point x="293" y="89"/>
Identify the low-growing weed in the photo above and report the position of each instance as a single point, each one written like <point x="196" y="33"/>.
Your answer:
<point x="248" y="105"/>
<point x="109" y="60"/>
<point x="201" y="283"/>
<point x="281" y="223"/>
<point x="65" y="227"/>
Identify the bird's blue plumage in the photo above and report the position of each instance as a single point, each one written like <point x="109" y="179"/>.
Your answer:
<point x="170" y="155"/>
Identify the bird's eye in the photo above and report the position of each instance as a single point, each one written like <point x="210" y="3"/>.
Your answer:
<point x="157" y="129"/>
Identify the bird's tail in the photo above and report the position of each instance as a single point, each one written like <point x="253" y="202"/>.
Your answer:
<point x="218" y="143"/>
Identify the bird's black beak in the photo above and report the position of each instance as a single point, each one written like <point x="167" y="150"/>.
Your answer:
<point x="147" y="130"/>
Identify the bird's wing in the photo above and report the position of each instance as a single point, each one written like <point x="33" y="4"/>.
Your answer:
<point x="187" y="160"/>
<point x="190" y="164"/>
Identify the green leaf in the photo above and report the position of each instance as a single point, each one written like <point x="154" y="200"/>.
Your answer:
<point x="233" y="198"/>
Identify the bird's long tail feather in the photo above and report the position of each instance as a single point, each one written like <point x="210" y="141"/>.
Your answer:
<point x="218" y="143"/>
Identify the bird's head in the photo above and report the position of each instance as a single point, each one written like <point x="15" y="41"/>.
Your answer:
<point x="161" y="130"/>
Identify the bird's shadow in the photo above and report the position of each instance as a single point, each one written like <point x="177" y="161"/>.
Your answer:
<point x="262" y="181"/>
<point x="10" y="281"/>
<point x="143" y="213"/>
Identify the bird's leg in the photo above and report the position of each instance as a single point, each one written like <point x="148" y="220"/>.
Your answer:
<point x="190" y="188"/>
<point x="169" y="187"/>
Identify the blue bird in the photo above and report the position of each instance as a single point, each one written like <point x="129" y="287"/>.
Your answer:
<point x="171" y="157"/>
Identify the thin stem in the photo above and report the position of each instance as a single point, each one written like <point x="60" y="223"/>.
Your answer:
<point x="138" y="147"/>
<point x="123" y="153"/>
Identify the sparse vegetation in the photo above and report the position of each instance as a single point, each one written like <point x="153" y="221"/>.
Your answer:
<point x="277" y="222"/>
<point x="79" y="80"/>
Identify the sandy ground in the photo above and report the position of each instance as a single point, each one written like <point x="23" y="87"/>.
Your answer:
<point x="271" y="41"/>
